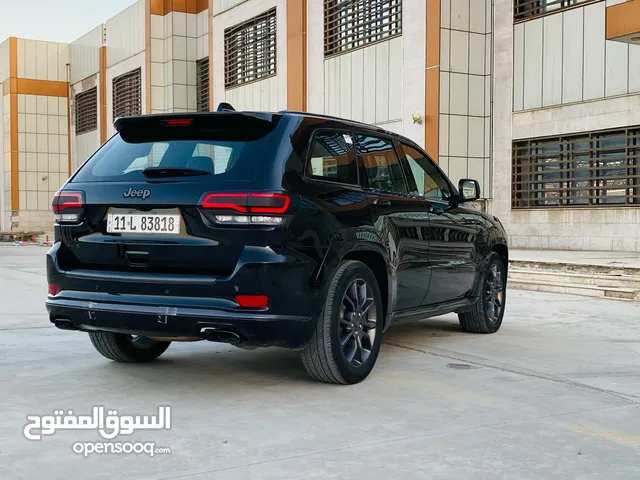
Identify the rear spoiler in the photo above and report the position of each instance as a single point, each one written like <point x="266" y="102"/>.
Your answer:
<point x="223" y="123"/>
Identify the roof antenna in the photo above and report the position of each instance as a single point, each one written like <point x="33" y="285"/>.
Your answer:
<point x="225" y="107"/>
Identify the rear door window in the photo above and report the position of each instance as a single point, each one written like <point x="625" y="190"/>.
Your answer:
<point x="381" y="164"/>
<point x="332" y="158"/>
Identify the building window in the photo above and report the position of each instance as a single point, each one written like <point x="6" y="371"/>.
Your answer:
<point x="202" y="84"/>
<point x="86" y="111"/>
<point x="250" y="50"/>
<point x="351" y="24"/>
<point x="127" y="94"/>
<point x="526" y="9"/>
<point x="590" y="169"/>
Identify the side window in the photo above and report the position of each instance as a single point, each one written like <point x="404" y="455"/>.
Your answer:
<point x="429" y="181"/>
<point x="333" y="158"/>
<point x="381" y="164"/>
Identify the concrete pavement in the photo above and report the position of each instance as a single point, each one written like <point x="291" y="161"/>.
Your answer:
<point x="554" y="394"/>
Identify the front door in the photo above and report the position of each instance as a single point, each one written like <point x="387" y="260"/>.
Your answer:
<point x="452" y="235"/>
<point x="401" y="221"/>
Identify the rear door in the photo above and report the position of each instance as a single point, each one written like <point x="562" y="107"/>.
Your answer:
<point x="399" y="218"/>
<point x="152" y="196"/>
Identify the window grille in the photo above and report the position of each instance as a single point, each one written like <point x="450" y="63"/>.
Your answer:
<point x="351" y="24"/>
<point x="250" y="50"/>
<point x="127" y="94"/>
<point x="86" y="111"/>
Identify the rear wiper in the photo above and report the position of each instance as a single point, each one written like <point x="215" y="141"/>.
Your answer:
<point x="160" y="172"/>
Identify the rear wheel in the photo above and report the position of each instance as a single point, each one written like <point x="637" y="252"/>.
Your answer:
<point x="345" y="345"/>
<point x="486" y="315"/>
<point x="127" y="348"/>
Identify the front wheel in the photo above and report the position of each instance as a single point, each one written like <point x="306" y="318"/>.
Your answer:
<point x="346" y="342"/>
<point x="127" y="348"/>
<point x="486" y="315"/>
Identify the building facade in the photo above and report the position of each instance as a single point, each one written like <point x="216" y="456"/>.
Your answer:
<point x="536" y="99"/>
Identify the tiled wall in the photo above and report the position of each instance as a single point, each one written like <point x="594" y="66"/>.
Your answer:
<point x="125" y="34"/>
<point x="465" y="90"/>
<point x="43" y="154"/>
<point x="202" y="34"/>
<point x="174" y="39"/>
<point x="271" y="92"/>
<point x="85" y="54"/>
<point x="565" y="58"/>
<point x="5" y="176"/>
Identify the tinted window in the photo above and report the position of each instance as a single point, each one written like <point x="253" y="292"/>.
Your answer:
<point x="122" y="160"/>
<point x="429" y="182"/>
<point x="381" y="164"/>
<point x="333" y="158"/>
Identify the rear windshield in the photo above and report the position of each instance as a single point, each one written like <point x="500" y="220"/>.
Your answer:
<point x="124" y="160"/>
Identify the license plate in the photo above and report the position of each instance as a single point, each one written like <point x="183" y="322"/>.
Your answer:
<point x="138" y="223"/>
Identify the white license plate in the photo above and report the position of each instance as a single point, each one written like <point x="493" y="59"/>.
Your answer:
<point x="138" y="223"/>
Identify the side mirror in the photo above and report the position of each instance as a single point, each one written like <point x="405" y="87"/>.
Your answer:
<point x="469" y="190"/>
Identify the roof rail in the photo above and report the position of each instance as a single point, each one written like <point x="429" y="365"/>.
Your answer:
<point x="225" y="107"/>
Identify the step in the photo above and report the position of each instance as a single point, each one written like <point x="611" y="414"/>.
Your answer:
<point x="575" y="289"/>
<point x="555" y="266"/>
<point x="593" y="279"/>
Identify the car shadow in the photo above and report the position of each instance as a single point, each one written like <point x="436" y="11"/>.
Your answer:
<point x="202" y="364"/>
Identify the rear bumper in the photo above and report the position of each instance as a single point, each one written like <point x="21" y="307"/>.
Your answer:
<point x="176" y="305"/>
<point x="252" y="328"/>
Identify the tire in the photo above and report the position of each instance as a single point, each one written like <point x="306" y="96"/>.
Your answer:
<point x="325" y="358"/>
<point x="481" y="319"/>
<point x="127" y="349"/>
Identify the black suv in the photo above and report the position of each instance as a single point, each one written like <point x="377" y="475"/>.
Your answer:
<point x="268" y="229"/>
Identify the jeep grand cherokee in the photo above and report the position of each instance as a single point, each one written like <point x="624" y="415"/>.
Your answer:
<point x="268" y="229"/>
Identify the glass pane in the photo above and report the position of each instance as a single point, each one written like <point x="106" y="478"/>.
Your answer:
<point x="333" y="158"/>
<point x="381" y="164"/>
<point x="429" y="181"/>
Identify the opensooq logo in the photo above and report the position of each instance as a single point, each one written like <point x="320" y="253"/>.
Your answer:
<point x="109" y="426"/>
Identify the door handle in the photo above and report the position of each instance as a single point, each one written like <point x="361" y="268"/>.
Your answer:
<point x="382" y="203"/>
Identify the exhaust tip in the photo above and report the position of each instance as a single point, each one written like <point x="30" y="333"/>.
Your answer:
<point x="222" y="336"/>
<point x="64" y="324"/>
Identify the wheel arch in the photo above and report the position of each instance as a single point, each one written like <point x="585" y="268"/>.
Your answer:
<point x="503" y="251"/>
<point x="378" y="265"/>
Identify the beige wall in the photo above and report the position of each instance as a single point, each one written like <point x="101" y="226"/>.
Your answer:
<point x="4" y="60"/>
<point x="558" y="228"/>
<point x="85" y="54"/>
<point x="126" y="34"/>
<point x="85" y="144"/>
<point x="565" y="58"/>
<point x="270" y="93"/>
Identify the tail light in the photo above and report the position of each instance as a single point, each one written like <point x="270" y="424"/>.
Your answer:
<point x="247" y="208"/>
<point x="68" y="206"/>
<point x="54" y="289"/>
